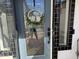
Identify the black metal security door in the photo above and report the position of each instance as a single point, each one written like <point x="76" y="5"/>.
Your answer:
<point x="58" y="14"/>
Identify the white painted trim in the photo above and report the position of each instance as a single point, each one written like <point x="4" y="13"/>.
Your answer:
<point x="6" y="57"/>
<point x="66" y="25"/>
<point x="51" y="31"/>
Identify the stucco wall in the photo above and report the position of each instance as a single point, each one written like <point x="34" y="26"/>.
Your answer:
<point x="71" y="54"/>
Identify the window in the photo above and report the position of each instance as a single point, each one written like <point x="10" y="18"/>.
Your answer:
<point x="64" y="8"/>
<point x="34" y="26"/>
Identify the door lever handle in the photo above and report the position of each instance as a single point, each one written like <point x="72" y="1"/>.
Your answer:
<point x="48" y="33"/>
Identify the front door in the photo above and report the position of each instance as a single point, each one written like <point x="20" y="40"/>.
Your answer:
<point x="36" y="41"/>
<point x="25" y="29"/>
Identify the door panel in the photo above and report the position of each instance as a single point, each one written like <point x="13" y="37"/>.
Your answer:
<point x="37" y="24"/>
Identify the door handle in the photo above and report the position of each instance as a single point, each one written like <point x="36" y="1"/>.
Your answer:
<point x="48" y="33"/>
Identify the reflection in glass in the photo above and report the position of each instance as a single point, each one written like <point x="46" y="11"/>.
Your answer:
<point x="34" y="27"/>
<point x="7" y="30"/>
<point x="63" y="22"/>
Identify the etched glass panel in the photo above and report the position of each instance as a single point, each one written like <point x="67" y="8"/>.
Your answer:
<point x="34" y="26"/>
